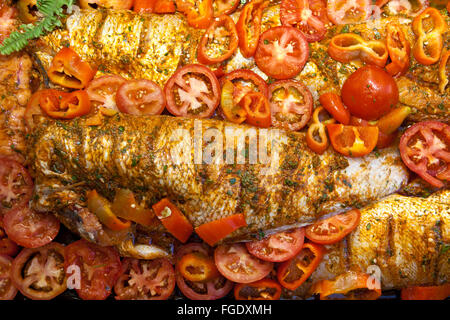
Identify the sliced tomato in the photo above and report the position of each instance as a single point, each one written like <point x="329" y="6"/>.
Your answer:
<point x="221" y="7"/>
<point x="425" y="149"/>
<point x="245" y="81"/>
<point x="199" y="13"/>
<point x="100" y="267"/>
<point x="102" y="91"/>
<point x="29" y="228"/>
<point x="265" y="289"/>
<point x="347" y="12"/>
<point x="293" y="273"/>
<point x="282" y="52"/>
<point x="192" y="91"/>
<point x="197" y="267"/>
<point x="200" y="290"/>
<point x="291" y="104"/>
<point x="219" y="42"/>
<point x="214" y="231"/>
<point x="353" y="141"/>
<point x="7" y="289"/>
<point x="257" y="107"/>
<point x="7" y="246"/>
<point x="278" y="247"/>
<point x="39" y="273"/>
<point x="334" y="229"/>
<point x="297" y="13"/>
<point x="426" y="293"/>
<point x="236" y="264"/>
<point x="140" y="97"/>
<point x="16" y="185"/>
<point x="334" y="105"/>
<point x="145" y="280"/>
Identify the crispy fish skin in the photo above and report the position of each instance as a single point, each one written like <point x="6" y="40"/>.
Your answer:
<point x="140" y="153"/>
<point x="405" y="237"/>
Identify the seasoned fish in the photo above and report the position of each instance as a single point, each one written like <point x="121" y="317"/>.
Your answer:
<point x="152" y="46"/>
<point x="289" y="186"/>
<point x="407" y="238"/>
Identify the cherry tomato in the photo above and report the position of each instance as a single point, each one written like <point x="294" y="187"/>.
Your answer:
<point x="140" y="97"/>
<point x="224" y="7"/>
<point x="109" y="4"/>
<point x="425" y="149"/>
<point x="334" y="229"/>
<point x="369" y="93"/>
<point x="102" y="91"/>
<point x="282" y="52"/>
<point x="29" y="228"/>
<point x="192" y="91"/>
<point x="235" y="263"/>
<point x="100" y="268"/>
<point x="7" y="289"/>
<point x="333" y="104"/>
<point x="16" y="185"/>
<point x="278" y="247"/>
<point x="245" y="81"/>
<point x="39" y="273"/>
<point x="291" y="104"/>
<point x="145" y="280"/>
<point x="347" y="12"/>
<point x="199" y="290"/>
<point x="297" y="13"/>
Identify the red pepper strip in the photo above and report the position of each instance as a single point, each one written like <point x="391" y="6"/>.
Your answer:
<point x="347" y="47"/>
<point x="353" y="285"/>
<point x="257" y="107"/>
<point x="292" y="273"/>
<point x="101" y="208"/>
<point x="213" y="232"/>
<point x="197" y="267"/>
<point x="317" y="130"/>
<point x="62" y="105"/>
<point x="126" y="207"/>
<point x="249" y="26"/>
<point x="428" y="47"/>
<point x="390" y="122"/>
<point x="173" y="220"/>
<point x="399" y="50"/>
<point x="443" y="71"/>
<point x="68" y="70"/>
<point x="265" y="289"/>
<point x="232" y="111"/>
<point x="199" y="15"/>
<point x="426" y="293"/>
<point x="334" y="105"/>
<point x="229" y="35"/>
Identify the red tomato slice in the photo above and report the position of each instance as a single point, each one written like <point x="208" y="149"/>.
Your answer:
<point x="140" y="97"/>
<point x="278" y="247"/>
<point x="102" y="91"/>
<point x="210" y="290"/>
<point x="235" y="263"/>
<point x="39" y="273"/>
<point x="100" y="268"/>
<point x="334" y="229"/>
<point x="7" y="246"/>
<point x="282" y="52"/>
<point x="16" y="185"/>
<point x="7" y="289"/>
<point x="425" y="149"/>
<point x="291" y="104"/>
<point x="192" y="91"/>
<point x="29" y="228"/>
<point x="346" y="12"/>
<point x="245" y="81"/>
<point x="297" y="13"/>
<point x="145" y="280"/>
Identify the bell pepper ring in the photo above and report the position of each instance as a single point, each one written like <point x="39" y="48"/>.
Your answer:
<point x="68" y="70"/>
<point x="316" y="136"/>
<point x="199" y="15"/>
<point x="204" y="54"/>
<point x="348" y="47"/>
<point x="353" y="141"/>
<point x="265" y="289"/>
<point x="429" y="43"/>
<point x="399" y="50"/>
<point x="197" y="267"/>
<point x="102" y="209"/>
<point x="173" y="220"/>
<point x="257" y="107"/>
<point x="63" y="105"/>
<point x="231" y="110"/>
<point x="214" y="231"/>
<point x="443" y="71"/>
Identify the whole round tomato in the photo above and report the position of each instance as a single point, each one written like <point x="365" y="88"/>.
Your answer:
<point x="369" y="93"/>
<point x="16" y="185"/>
<point x="100" y="267"/>
<point x="29" y="228"/>
<point x="278" y="247"/>
<point x="39" y="273"/>
<point x="145" y="280"/>
<point x="235" y="263"/>
<point x="7" y="289"/>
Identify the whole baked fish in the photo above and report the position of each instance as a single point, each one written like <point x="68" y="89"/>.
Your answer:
<point x="225" y="171"/>
<point x="153" y="46"/>
<point x="405" y="238"/>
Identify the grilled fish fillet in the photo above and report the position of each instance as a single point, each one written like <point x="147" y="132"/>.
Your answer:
<point x="140" y="154"/>
<point x="407" y="238"/>
<point x="152" y="46"/>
